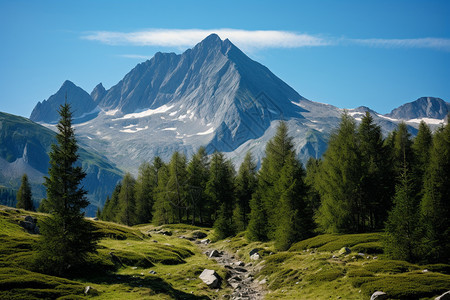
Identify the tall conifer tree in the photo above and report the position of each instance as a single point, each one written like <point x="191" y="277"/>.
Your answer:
<point x="24" y="200"/>
<point x="198" y="173"/>
<point x="435" y="204"/>
<point x="145" y="185"/>
<point x="246" y="183"/>
<point x="339" y="181"/>
<point x="66" y="237"/>
<point x="403" y="231"/>
<point x="127" y="201"/>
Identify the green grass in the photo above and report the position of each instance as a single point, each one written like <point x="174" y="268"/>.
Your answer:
<point x="334" y="242"/>
<point x="293" y="274"/>
<point x="178" y="263"/>
<point x="405" y="285"/>
<point x="16" y="283"/>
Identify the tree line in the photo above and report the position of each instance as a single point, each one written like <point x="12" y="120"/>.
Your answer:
<point x="363" y="183"/>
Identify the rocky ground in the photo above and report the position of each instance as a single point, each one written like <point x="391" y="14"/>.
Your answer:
<point x="240" y="275"/>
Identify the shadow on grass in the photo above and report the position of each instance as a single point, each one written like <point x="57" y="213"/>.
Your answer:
<point x="156" y="284"/>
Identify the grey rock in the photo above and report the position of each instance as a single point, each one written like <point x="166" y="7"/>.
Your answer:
<point x="214" y="253"/>
<point x="88" y="290"/>
<point x="344" y="251"/>
<point x="205" y="241"/>
<point x="255" y="256"/>
<point x="379" y="295"/>
<point x="444" y="296"/>
<point x="211" y="278"/>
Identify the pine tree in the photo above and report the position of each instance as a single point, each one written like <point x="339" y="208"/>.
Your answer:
<point x="66" y="237"/>
<point x="339" y="182"/>
<point x="110" y="209"/>
<point x="257" y="226"/>
<point x="176" y="187"/>
<point x="435" y="205"/>
<point x="376" y="175"/>
<point x="294" y="215"/>
<point x="421" y="147"/>
<point x="198" y="173"/>
<point x="311" y="180"/>
<point x="220" y="190"/>
<point x="145" y="184"/>
<point x="24" y="195"/>
<point x="403" y="231"/>
<point x="246" y="183"/>
<point x="278" y="150"/>
<point x="127" y="201"/>
<point x="163" y="212"/>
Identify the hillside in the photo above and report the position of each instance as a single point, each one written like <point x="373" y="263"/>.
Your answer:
<point x="163" y="263"/>
<point x="24" y="148"/>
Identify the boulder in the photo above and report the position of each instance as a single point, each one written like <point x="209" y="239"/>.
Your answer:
<point x="255" y="256"/>
<point x="444" y="296"/>
<point x="344" y="251"/>
<point x="214" y="253"/>
<point x="239" y="263"/>
<point x="211" y="278"/>
<point x="89" y="290"/>
<point x="379" y="295"/>
<point x="30" y="225"/>
<point x="205" y="241"/>
<point x="30" y="219"/>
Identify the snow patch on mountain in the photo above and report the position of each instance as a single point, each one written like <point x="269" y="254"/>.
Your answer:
<point x="146" y="113"/>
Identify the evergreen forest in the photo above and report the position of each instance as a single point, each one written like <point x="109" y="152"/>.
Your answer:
<point x="364" y="183"/>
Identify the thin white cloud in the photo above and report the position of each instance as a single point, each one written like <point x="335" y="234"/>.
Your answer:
<point x="189" y="37"/>
<point x="430" y="43"/>
<point x="251" y="39"/>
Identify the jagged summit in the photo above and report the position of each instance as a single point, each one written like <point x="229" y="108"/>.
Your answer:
<point x="81" y="102"/>
<point x="424" y="107"/>
<point x="211" y="95"/>
<point x="98" y="92"/>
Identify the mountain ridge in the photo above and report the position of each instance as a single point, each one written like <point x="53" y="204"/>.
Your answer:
<point x="212" y="95"/>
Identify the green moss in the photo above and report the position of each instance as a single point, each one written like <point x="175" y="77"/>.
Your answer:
<point x="334" y="242"/>
<point x="16" y="283"/>
<point x="390" y="266"/>
<point x="117" y="231"/>
<point x="408" y="286"/>
<point x="326" y="275"/>
<point x="369" y="248"/>
<point x="359" y="272"/>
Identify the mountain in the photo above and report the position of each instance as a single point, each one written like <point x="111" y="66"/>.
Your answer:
<point x="98" y="93"/>
<point x="83" y="107"/>
<point x="24" y="147"/>
<point x="425" y="107"/>
<point x="212" y="95"/>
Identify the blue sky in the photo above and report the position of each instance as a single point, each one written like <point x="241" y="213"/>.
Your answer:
<point x="379" y="54"/>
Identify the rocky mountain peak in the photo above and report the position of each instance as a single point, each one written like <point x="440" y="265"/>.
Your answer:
<point x="81" y="102"/>
<point x="98" y="92"/>
<point x="424" y="107"/>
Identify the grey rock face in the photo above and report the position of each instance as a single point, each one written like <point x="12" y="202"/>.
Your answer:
<point x="425" y="107"/>
<point x="211" y="278"/>
<point x="212" y="95"/>
<point x="378" y="295"/>
<point x="444" y="296"/>
<point x="83" y="107"/>
<point x="98" y="93"/>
